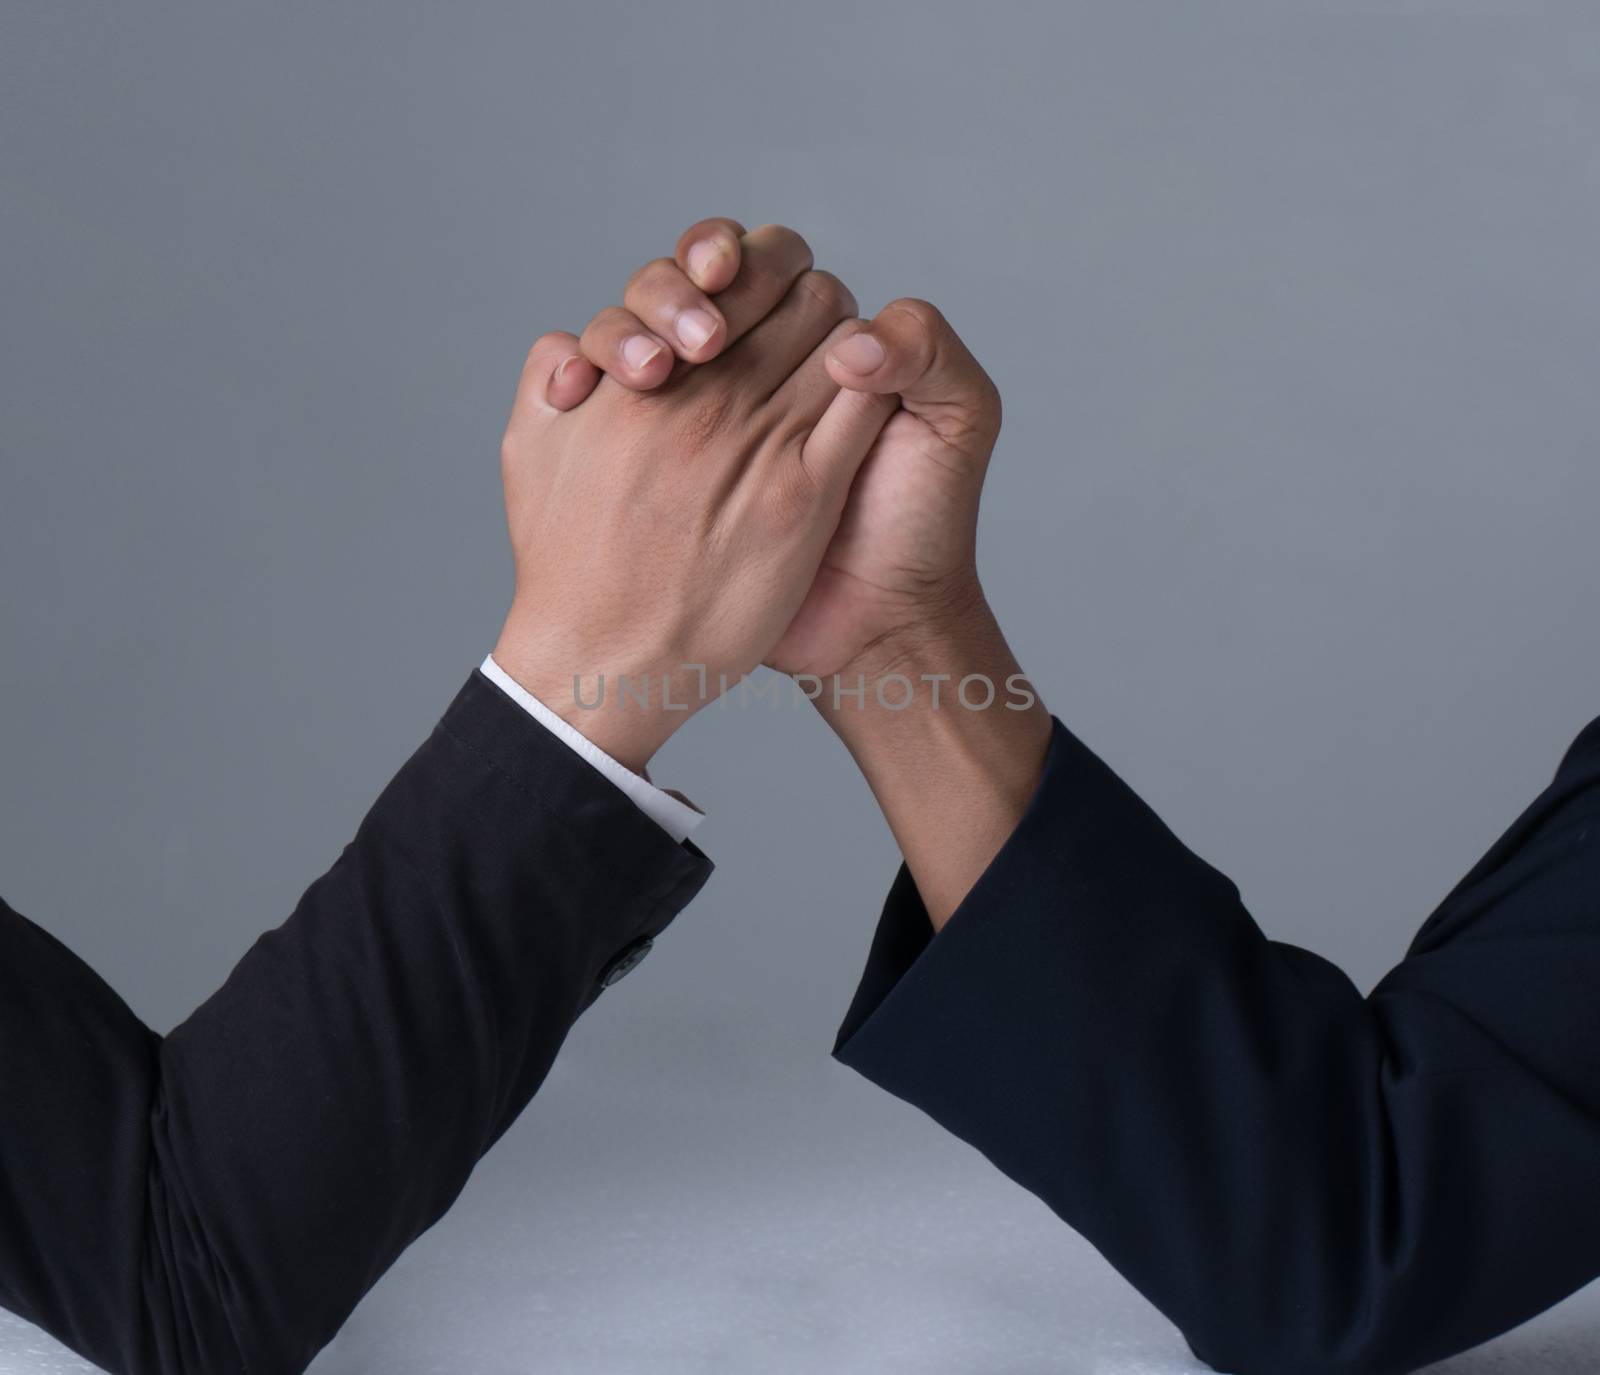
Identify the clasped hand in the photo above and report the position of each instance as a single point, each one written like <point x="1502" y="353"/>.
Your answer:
<point x="731" y="469"/>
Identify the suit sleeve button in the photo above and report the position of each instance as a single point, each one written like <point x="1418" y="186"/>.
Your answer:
<point x="625" y="963"/>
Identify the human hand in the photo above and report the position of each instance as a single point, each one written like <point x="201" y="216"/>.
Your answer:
<point x="901" y="567"/>
<point x="896" y="594"/>
<point x="660" y="529"/>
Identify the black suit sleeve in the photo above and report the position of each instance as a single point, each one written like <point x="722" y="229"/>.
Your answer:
<point x="1302" y="1179"/>
<point x="219" y="1199"/>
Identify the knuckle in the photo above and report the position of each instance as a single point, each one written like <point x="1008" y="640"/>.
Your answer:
<point x="825" y="293"/>
<point x="645" y="277"/>
<point x="606" y="333"/>
<point x="924" y="316"/>
<point x="760" y="279"/>
<point x="705" y="420"/>
<point x="780" y="240"/>
<point x="551" y="342"/>
<point x="606" y="320"/>
<point x="713" y="226"/>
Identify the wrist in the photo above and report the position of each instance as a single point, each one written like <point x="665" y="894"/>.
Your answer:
<point x="949" y="681"/>
<point x="955" y="767"/>
<point x="949" y="640"/>
<point x="620" y="705"/>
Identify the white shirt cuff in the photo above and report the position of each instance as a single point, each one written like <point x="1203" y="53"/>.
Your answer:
<point x="677" y="819"/>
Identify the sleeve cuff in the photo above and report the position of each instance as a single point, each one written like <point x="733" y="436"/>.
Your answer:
<point x="678" y="819"/>
<point x="905" y="931"/>
<point x="1089" y="873"/>
<point x="626" y="854"/>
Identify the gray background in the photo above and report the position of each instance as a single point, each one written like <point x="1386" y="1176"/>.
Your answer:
<point x="1296" y="318"/>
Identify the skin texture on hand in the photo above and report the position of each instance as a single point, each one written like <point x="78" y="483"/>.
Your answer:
<point x="670" y="535"/>
<point x="898" y="593"/>
<point x="896" y="590"/>
<point x="905" y="549"/>
<point x="905" y="552"/>
<point x="952" y="777"/>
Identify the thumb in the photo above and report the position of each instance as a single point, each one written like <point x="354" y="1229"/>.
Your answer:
<point x="910" y="348"/>
<point x="555" y="377"/>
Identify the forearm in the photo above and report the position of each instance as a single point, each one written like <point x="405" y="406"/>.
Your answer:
<point x="332" y="1098"/>
<point x="1301" y="1179"/>
<point x="954" y="769"/>
<point x="220" y="1199"/>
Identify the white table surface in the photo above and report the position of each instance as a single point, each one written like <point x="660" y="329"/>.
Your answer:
<point x="638" y="1225"/>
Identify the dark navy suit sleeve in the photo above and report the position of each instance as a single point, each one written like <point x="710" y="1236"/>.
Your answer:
<point x="218" y="1200"/>
<point x="1304" y="1180"/>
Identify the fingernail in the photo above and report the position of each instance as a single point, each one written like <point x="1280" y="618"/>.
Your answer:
<point x="695" y="327"/>
<point x="702" y="255"/>
<point x="638" y="350"/>
<point x="562" y="367"/>
<point x="860" y="354"/>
